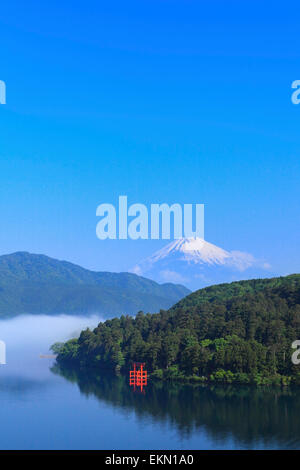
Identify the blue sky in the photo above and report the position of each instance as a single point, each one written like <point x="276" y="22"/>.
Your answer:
<point x="164" y="101"/>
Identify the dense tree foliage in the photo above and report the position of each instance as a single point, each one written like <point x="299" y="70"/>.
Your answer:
<point x="232" y="332"/>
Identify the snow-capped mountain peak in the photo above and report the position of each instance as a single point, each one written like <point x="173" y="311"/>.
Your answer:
<point x="194" y="249"/>
<point x="196" y="262"/>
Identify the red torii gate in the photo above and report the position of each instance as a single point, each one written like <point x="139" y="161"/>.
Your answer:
<point x="138" y="376"/>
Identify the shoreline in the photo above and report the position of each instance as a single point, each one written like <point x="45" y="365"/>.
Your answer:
<point x="216" y="378"/>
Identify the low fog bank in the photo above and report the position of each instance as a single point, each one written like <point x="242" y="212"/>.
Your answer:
<point x="27" y="336"/>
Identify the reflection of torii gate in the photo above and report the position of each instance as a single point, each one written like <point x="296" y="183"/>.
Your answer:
<point x="2" y="352"/>
<point x="138" y="376"/>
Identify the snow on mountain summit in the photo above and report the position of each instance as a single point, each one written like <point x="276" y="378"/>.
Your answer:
<point x="194" y="249"/>
<point x="196" y="263"/>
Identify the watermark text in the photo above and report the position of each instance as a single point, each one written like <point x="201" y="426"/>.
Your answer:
<point x="2" y="92"/>
<point x="2" y="352"/>
<point x="162" y="221"/>
<point x="296" y="93"/>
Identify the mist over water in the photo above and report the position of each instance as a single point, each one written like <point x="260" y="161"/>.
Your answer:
<point x="46" y="406"/>
<point x="28" y="336"/>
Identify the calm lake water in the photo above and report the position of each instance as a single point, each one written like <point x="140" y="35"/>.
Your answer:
<point x="45" y="407"/>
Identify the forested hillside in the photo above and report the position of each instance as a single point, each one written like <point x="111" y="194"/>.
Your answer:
<point x="37" y="284"/>
<point x="239" y="332"/>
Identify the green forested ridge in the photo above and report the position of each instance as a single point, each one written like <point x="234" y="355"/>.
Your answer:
<point x="237" y="289"/>
<point x="37" y="284"/>
<point x="241" y="332"/>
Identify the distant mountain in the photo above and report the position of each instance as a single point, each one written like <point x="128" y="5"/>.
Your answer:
<point x="198" y="263"/>
<point x="37" y="284"/>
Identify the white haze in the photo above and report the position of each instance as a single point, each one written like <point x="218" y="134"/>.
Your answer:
<point x="28" y="336"/>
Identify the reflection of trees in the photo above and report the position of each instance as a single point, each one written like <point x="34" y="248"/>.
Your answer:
<point x="247" y="414"/>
